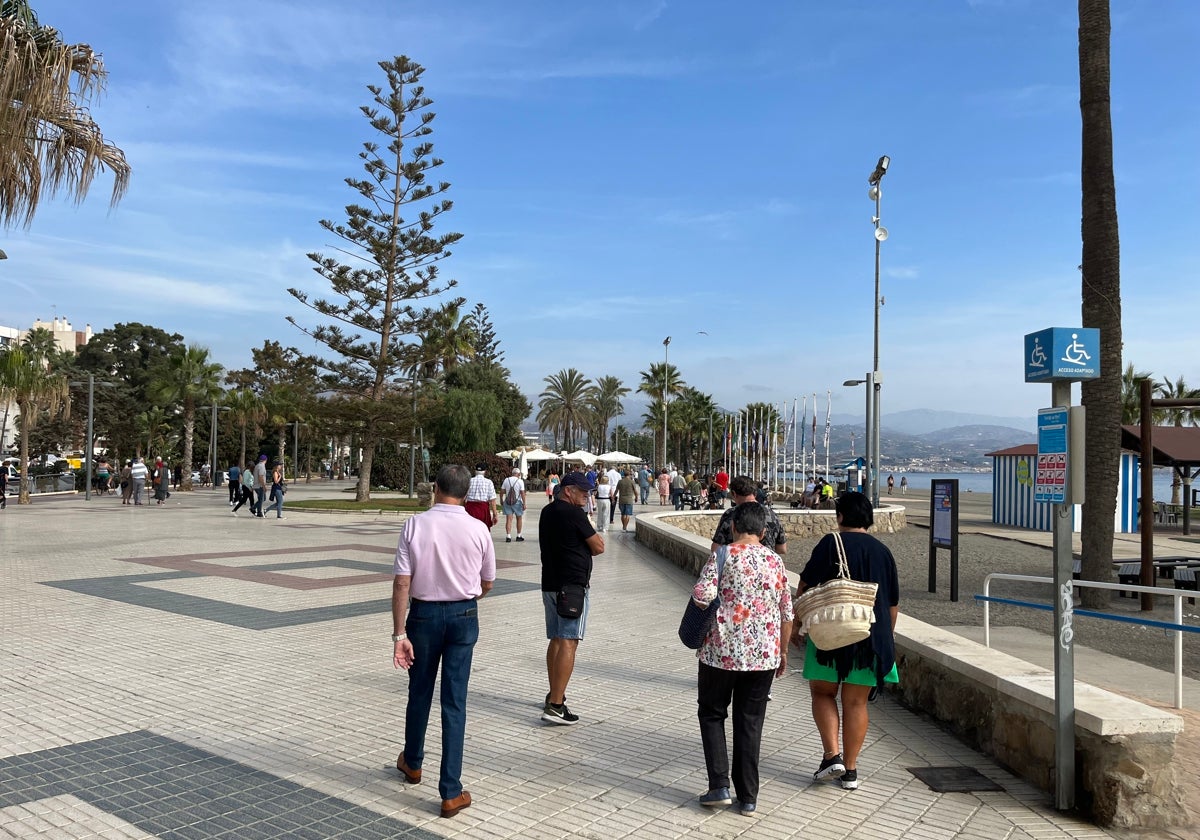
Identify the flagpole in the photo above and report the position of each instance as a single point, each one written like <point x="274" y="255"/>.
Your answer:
<point x="828" y="422"/>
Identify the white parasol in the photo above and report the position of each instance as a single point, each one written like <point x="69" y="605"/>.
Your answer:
<point x="619" y="457"/>
<point x="580" y="455"/>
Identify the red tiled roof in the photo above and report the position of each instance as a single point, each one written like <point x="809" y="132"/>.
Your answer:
<point x="1023" y="449"/>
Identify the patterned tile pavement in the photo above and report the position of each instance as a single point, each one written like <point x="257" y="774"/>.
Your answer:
<point x="178" y="673"/>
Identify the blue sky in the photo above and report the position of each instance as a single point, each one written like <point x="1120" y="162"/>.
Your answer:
<point x="632" y="169"/>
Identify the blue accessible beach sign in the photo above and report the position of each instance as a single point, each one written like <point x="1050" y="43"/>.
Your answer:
<point x="1062" y="354"/>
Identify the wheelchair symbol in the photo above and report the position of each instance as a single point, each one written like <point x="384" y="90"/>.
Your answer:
<point x="1075" y="354"/>
<point x="1037" y="358"/>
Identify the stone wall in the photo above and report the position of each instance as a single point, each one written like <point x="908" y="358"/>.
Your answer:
<point x="797" y="523"/>
<point x="1004" y="707"/>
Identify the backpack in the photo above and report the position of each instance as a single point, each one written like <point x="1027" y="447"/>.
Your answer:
<point x="510" y="498"/>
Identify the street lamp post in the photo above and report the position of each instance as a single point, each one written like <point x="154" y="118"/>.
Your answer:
<point x="881" y="234"/>
<point x="412" y="439"/>
<point x="666" y="380"/>
<point x="89" y="453"/>
<point x="870" y="484"/>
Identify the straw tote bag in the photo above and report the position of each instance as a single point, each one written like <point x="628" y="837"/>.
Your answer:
<point x="840" y="611"/>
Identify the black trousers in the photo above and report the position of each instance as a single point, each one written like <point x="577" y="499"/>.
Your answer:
<point x="748" y="691"/>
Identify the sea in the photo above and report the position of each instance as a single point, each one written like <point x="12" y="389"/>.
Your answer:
<point x="981" y="482"/>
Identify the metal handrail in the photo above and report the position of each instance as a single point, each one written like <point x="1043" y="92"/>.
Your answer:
<point x="1178" y="627"/>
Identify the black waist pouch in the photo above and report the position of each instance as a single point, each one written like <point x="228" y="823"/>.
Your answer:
<point x="570" y="600"/>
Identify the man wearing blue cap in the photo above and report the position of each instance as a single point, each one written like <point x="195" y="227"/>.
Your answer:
<point x="568" y="542"/>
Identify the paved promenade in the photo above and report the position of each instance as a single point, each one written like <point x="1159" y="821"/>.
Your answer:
<point x="180" y="673"/>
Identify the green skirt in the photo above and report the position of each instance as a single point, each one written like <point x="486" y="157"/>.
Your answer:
<point x="814" y="670"/>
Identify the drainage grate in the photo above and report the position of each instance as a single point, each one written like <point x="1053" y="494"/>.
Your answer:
<point x="954" y="779"/>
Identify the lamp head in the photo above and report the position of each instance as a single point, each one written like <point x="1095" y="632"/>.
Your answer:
<point x="881" y="169"/>
<point x="853" y="383"/>
<point x="666" y="341"/>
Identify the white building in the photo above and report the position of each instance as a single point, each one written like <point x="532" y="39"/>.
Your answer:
<point x="66" y="338"/>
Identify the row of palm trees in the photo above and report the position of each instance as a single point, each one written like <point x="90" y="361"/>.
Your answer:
<point x="1131" y="403"/>
<point x="576" y="410"/>
<point x="37" y="377"/>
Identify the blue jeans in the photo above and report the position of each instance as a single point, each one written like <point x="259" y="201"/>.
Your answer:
<point x="445" y="632"/>
<point x="260" y="496"/>
<point x="644" y="490"/>
<point x="276" y="505"/>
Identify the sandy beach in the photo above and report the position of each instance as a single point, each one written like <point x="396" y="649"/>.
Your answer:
<point x="981" y="554"/>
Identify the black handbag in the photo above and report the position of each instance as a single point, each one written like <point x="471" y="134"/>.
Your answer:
<point x="697" y="621"/>
<point x="569" y="602"/>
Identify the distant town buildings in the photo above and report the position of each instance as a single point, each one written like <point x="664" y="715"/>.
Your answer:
<point x="66" y="338"/>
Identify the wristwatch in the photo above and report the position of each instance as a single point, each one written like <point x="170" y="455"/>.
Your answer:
<point x="399" y="638"/>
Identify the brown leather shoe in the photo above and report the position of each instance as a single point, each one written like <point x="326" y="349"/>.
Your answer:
<point x="413" y="777"/>
<point x="450" y="807"/>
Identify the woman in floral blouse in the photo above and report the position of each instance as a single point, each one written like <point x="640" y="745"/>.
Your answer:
<point x="745" y="650"/>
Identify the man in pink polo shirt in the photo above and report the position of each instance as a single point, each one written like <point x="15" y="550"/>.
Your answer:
<point x="445" y="562"/>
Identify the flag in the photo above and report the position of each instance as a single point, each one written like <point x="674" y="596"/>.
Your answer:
<point x="828" y="416"/>
<point x="803" y="424"/>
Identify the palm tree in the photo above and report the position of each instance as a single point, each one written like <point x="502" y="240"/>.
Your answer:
<point x="1177" y="417"/>
<point x="282" y="404"/>
<point x="605" y="403"/>
<point x="27" y="379"/>
<point x="661" y="382"/>
<point x="187" y="379"/>
<point x="154" y="424"/>
<point x="1100" y="296"/>
<point x="1131" y="394"/>
<point x="448" y="339"/>
<point x="563" y="406"/>
<point x="48" y="139"/>
<point x="246" y="410"/>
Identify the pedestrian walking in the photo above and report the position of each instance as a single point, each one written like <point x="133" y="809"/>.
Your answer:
<point x="275" y="495"/>
<point x="744" y="651"/>
<point x="859" y="668"/>
<point x="444" y="563"/>
<point x="260" y="485"/>
<point x="137" y="475"/>
<point x="482" y="501"/>
<point x="604" y="500"/>
<point x="512" y="492"/>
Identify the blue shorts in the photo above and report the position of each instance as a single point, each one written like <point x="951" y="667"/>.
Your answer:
<point x="515" y="509"/>
<point x="627" y="510"/>
<point x="558" y="627"/>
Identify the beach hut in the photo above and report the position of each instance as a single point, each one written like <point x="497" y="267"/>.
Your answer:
<point x="1012" y="492"/>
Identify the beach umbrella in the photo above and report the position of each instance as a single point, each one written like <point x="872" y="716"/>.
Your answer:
<point x="587" y="458"/>
<point x="618" y="457"/>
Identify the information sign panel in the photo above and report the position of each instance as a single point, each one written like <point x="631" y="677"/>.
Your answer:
<point x="942" y="531"/>
<point x="1050" y="479"/>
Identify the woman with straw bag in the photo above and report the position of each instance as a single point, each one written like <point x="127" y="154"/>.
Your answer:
<point x="860" y="667"/>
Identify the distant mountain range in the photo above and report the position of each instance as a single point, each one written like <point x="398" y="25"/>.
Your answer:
<point x="921" y="440"/>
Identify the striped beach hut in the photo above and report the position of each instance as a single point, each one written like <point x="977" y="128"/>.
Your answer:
<point x="1012" y="492"/>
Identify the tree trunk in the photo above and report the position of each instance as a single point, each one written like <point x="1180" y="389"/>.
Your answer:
<point x="1101" y="297"/>
<point x="26" y="473"/>
<point x="362" y="492"/>
<point x="189" y="431"/>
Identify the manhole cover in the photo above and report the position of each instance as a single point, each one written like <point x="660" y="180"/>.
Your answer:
<point x="954" y="779"/>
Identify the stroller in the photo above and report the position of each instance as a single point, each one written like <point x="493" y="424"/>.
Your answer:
<point x="691" y="501"/>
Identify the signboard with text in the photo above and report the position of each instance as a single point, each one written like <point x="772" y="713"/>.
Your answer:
<point x="1050" y="475"/>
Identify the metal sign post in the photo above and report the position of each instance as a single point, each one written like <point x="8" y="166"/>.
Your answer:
<point x="1061" y="356"/>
